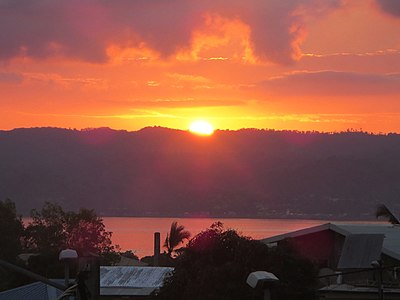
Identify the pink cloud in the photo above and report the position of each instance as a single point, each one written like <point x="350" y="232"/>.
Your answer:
<point x="10" y="77"/>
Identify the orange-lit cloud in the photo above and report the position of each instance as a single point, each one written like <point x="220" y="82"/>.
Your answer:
<point x="300" y="64"/>
<point x="333" y="83"/>
<point x="10" y="77"/>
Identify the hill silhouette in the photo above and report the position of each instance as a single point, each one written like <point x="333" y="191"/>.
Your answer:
<point x="164" y="172"/>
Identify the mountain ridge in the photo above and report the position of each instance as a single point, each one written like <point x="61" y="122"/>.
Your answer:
<point x="158" y="171"/>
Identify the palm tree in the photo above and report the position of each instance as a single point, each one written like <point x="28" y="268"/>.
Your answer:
<point x="175" y="237"/>
<point x="383" y="211"/>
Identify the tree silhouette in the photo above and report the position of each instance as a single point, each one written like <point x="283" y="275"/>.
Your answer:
<point x="383" y="211"/>
<point x="175" y="237"/>
<point x="11" y="229"/>
<point x="52" y="229"/>
<point x="216" y="262"/>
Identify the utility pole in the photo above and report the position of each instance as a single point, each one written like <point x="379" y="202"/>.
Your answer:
<point x="378" y="266"/>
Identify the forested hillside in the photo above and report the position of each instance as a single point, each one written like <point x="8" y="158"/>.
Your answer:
<point x="158" y="171"/>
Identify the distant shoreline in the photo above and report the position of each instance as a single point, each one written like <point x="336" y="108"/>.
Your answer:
<point x="272" y="217"/>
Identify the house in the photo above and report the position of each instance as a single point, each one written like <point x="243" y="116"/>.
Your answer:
<point x="116" y="282"/>
<point x="34" y="291"/>
<point x="355" y="258"/>
<point x="131" y="282"/>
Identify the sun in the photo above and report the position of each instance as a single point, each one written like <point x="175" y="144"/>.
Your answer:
<point x="201" y="127"/>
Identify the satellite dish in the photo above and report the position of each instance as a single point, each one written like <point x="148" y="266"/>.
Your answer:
<point x="68" y="254"/>
<point x="260" y="279"/>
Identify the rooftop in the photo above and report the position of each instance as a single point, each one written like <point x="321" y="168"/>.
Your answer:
<point x="391" y="242"/>
<point x="128" y="280"/>
<point x="33" y="291"/>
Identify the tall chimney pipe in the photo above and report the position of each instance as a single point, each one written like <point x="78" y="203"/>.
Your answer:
<point x="156" y="261"/>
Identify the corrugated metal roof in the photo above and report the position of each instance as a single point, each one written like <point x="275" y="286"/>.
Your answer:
<point x="126" y="291"/>
<point x="33" y="291"/>
<point x="359" y="289"/>
<point x="359" y="250"/>
<point x="115" y="280"/>
<point x="128" y="280"/>
<point x="133" y="277"/>
<point x="391" y="242"/>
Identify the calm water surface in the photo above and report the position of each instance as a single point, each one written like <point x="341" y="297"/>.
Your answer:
<point x="136" y="234"/>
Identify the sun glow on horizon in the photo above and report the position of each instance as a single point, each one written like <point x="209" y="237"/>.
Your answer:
<point x="201" y="127"/>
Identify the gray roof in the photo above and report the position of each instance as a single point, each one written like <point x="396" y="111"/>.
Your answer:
<point x="391" y="242"/>
<point x="129" y="280"/>
<point x="33" y="291"/>
<point x="359" y="250"/>
<point x="346" y="288"/>
<point x="116" y="280"/>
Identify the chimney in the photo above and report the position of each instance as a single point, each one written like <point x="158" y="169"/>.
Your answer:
<point x="339" y="278"/>
<point x="156" y="260"/>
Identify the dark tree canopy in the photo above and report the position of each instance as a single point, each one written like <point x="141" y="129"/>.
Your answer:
<point x="216" y="263"/>
<point x="45" y="233"/>
<point x="382" y="211"/>
<point x="52" y="229"/>
<point x="129" y="254"/>
<point x="11" y="230"/>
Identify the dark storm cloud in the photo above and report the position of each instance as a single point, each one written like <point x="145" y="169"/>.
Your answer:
<point x="84" y="29"/>
<point x="391" y="7"/>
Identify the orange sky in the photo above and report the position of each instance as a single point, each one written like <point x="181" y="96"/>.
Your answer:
<point x="295" y="64"/>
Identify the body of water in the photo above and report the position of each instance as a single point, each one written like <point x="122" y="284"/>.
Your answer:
<point x="137" y="234"/>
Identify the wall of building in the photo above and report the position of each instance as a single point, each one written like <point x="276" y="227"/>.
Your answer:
<point x="323" y="247"/>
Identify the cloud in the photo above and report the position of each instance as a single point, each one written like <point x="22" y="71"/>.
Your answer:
<point x="172" y="102"/>
<point x="306" y="118"/>
<point x="353" y="55"/>
<point x="178" y="77"/>
<point x="85" y="29"/>
<point x="391" y="7"/>
<point x="332" y="83"/>
<point x="10" y="77"/>
<point x="278" y="28"/>
<point x="63" y="81"/>
<point x="187" y="103"/>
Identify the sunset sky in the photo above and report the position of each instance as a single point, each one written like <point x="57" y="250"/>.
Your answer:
<point x="325" y="65"/>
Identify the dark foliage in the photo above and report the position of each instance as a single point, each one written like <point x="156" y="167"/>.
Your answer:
<point x="175" y="237"/>
<point x="216" y="263"/>
<point x="52" y="229"/>
<point x="129" y="254"/>
<point x="164" y="260"/>
<point x="11" y="231"/>
<point x="382" y="211"/>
